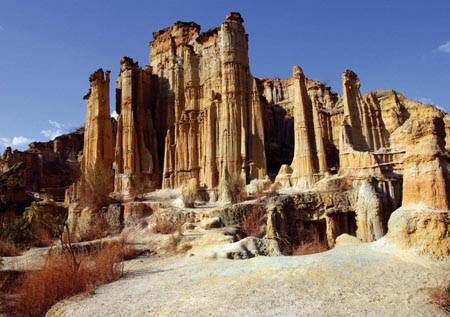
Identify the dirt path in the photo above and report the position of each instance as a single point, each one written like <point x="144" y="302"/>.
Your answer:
<point x="353" y="280"/>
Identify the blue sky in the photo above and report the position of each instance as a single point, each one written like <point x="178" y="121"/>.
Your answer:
<point x="48" y="48"/>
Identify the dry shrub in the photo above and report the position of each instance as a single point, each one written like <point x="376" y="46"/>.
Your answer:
<point x="302" y="239"/>
<point x="232" y="188"/>
<point x="273" y="189"/>
<point x="253" y="221"/>
<point x="44" y="237"/>
<point x="310" y="248"/>
<point x="8" y="249"/>
<point x="128" y="247"/>
<point x="346" y="184"/>
<point x="177" y="247"/>
<point x="164" y="226"/>
<point x="441" y="297"/>
<point x="259" y="191"/>
<point x="182" y="249"/>
<point x="180" y="229"/>
<point x="38" y="290"/>
<point x="189" y="193"/>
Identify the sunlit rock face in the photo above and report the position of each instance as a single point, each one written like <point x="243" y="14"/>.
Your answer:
<point x="208" y="111"/>
<point x="196" y="112"/>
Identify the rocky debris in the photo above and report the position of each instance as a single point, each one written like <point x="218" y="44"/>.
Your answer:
<point x="248" y="248"/>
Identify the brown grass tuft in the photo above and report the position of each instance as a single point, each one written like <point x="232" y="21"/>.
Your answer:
<point x="253" y="222"/>
<point x="38" y="290"/>
<point x="8" y="249"/>
<point x="441" y="297"/>
<point x="310" y="248"/>
<point x="164" y="226"/>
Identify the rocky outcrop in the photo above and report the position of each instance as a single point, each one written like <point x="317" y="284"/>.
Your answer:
<point x="42" y="172"/>
<point x="196" y="112"/>
<point x="426" y="231"/>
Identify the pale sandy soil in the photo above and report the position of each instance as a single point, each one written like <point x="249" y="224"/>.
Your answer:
<point x="351" y="280"/>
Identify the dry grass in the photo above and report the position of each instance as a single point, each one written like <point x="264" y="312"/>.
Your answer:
<point x="232" y="188"/>
<point x="189" y="193"/>
<point x="38" y="290"/>
<point x="302" y="239"/>
<point x="253" y="222"/>
<point x="274" y="188"/>
<point x="177" y="247"/>
<point x="441" y="297"/>
<point x="164" y="226"/>
<point x="44" y="237"/>
<point x="310" y="248"/>
<point x="128" y="247"/>
<point x="8" y="249"/>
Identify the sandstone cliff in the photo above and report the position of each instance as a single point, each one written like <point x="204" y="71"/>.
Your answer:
<point x="196" y="112"/>
<point x="43" y="171"/>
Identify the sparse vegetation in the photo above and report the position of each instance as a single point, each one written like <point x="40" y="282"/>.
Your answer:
<point x="164" y="226"/>
<point x="259" y="191"/>
<point x="177" y="247"/>
<point x="254" y="221"/>
<point x="274" y="188"/>
<point x="232" y="188"/>
<point x="441" y="297"/>
<point x="38" y="290"/>
<point x="302" y="239"/>
<point x="189" y="193"/>
<point x="310" y="248"/>
<point x="8" y="249"/>
<point x="38" y="226"/>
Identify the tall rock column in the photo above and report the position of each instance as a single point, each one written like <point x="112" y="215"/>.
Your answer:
<point x="98" y="149"/>
<point x="257" y="153"/>
<point x="362" y="123"/>
<point x="136" y="160"/>
<point x="233" y="111"/>
<point x="308" y="161"/>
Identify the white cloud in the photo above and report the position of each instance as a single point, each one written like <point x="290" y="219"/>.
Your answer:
<point x="56" y="124"/>
<point x="114" y="115"/>
<point x="16" y="142"/>
<point x="56" y="130"/>
<point x="445" y="48"/>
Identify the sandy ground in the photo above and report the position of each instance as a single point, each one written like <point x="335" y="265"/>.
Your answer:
<point x="351" y="280"/>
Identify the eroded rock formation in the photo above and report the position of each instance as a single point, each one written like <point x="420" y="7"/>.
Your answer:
<point x="43" y="172"/>
<point x="196" y="112"/>
<point x="136" y="164"/>
<point x="208" y="108"/>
